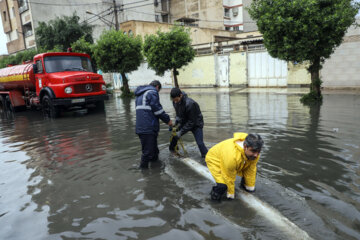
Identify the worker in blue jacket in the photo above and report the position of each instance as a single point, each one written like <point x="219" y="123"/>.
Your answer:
<point x="148" y="113"/>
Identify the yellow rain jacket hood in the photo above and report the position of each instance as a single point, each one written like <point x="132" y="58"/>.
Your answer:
<point x="227" y="159"/>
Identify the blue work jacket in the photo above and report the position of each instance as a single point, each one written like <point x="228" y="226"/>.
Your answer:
<point x="148" y="110"/>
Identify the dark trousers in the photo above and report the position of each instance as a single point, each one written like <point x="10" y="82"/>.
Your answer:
<point x="149" y="148"/>
<point x="199" y="138"/>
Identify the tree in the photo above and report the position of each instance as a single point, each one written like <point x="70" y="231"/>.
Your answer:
<point x="82" y="46"/>
<point x="117" y="52"/>
<point x="304" y="30"/>
<point x="169" y="51"/>
<point x="62" y="32"/>
<point x="19" y="58"/>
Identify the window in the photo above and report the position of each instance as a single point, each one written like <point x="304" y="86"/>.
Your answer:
<point x="130" y="33"/>
<point x="165" y="18"/>
<point x="236" y="28"/>
<point x="226" y="12"/>
<point x="39" y="66"/>
<point x="22" y="5"/>
<point x="157" y="18"/>
<point x="27" y="29"/>
<point x="227" y="28"/>
<point x="235" y="11"/>
<point x="67" y="63"/>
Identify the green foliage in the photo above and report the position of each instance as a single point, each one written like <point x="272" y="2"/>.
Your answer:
<point x="125" y="94"/>
<point x="62" y="32"/>
<point x="304" y="30"/>
<point x="8" y="60"/>
<point x="300" y="30"/>
<point x="311" y="98"/>
<point x="82" y="46"/>
<point x="117" y="52"/>
<point x="19" y="58"/>
<point x="169" y="50"/>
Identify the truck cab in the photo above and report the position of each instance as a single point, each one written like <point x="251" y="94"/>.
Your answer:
<point x="66" y="80"/>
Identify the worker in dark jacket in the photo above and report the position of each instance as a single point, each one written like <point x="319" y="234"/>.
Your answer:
<point x="148" y="113"/>
<point x="188" y="118"/>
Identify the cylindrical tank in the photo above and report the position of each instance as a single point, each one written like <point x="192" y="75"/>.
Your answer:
<point x="17" y="77"/>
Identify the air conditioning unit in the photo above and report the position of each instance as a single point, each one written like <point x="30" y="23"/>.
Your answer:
<point x="235" y="11"/>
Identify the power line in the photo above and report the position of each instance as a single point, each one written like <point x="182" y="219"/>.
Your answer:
<point x="97" y="15"/>
<point x="76" y="4"/>
<point x="199" y="20"/>
<point x="57" y="4"/>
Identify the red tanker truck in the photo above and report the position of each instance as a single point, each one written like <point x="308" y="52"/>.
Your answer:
<point x="54" y="82"/>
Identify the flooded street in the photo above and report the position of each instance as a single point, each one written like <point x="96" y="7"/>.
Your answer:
<point x="75" y="177"/>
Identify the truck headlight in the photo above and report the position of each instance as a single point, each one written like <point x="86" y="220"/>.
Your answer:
<point x="68" y="90"/>
<point x="103" y="87"/>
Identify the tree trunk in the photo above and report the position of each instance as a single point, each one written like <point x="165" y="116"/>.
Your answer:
<point x="315" y="77"/>
<point x="125" y="89"/>
<point x="175" y="72"/>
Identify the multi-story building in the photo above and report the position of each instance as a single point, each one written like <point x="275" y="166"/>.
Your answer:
<point x="20" y="18"/>
<point x="236" y="18"/>
<point x="228" y="15"/>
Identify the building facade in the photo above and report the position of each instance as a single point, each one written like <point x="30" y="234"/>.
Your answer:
<point x="230" y="15"/>
<point x="20" y="18"/>
<point x="342" y="69"/>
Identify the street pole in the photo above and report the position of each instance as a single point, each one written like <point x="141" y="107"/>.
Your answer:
<point x="116" y="16"/>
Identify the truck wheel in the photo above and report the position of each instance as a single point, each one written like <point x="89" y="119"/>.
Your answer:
<point x="8" y="106"/>
<point x="2" y="104"/>
<point x="48" y="108"/>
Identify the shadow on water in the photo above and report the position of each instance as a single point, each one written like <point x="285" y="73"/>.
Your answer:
<point x="71" y="177"/>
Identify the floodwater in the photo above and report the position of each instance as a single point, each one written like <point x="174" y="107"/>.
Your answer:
<point x="75" y="177"/>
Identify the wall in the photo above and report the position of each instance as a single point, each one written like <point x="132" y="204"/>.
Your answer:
<point x="198" y="35"/>
<point x="4" y="8"/>
<point x="144" y="75"/>
<point x="143" y="11"/>
<point x="200" y="72"/>
<point x="40" y="12"/>
<point x="249" y="24"/>
<point x="208" y="12"/>
<point x="342" y="69"/>
<point x="238" y="69"/>
<point x="298" y="76"/>
<point x="13" y="28"/>
<point x="235" y="17"/>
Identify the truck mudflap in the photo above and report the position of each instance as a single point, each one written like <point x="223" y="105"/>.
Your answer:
<point x="68" y="102"/>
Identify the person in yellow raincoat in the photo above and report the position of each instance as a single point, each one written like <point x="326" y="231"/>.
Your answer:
<point x="235" y="156"/>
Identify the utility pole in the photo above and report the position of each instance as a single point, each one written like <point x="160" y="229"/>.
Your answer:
<point x="116" y="16"/>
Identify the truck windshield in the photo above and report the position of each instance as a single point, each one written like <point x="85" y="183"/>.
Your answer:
<point x="67" y="63"/>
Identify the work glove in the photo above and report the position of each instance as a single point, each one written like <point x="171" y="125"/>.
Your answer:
<point x="218" y="191"/>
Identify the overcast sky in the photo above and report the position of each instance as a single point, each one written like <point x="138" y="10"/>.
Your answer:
<point x="3" y="49"/>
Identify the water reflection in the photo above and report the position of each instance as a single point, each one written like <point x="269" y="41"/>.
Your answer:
<point x="72" y="177"/>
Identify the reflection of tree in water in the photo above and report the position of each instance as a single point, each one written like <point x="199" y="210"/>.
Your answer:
<point x="303" y="151"/>
<point x="305" y="157"/>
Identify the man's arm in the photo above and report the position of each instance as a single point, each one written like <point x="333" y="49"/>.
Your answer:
<point x="191" y="114"/>
<point x="250" y="177"/>
<point x="156" y="107"/>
